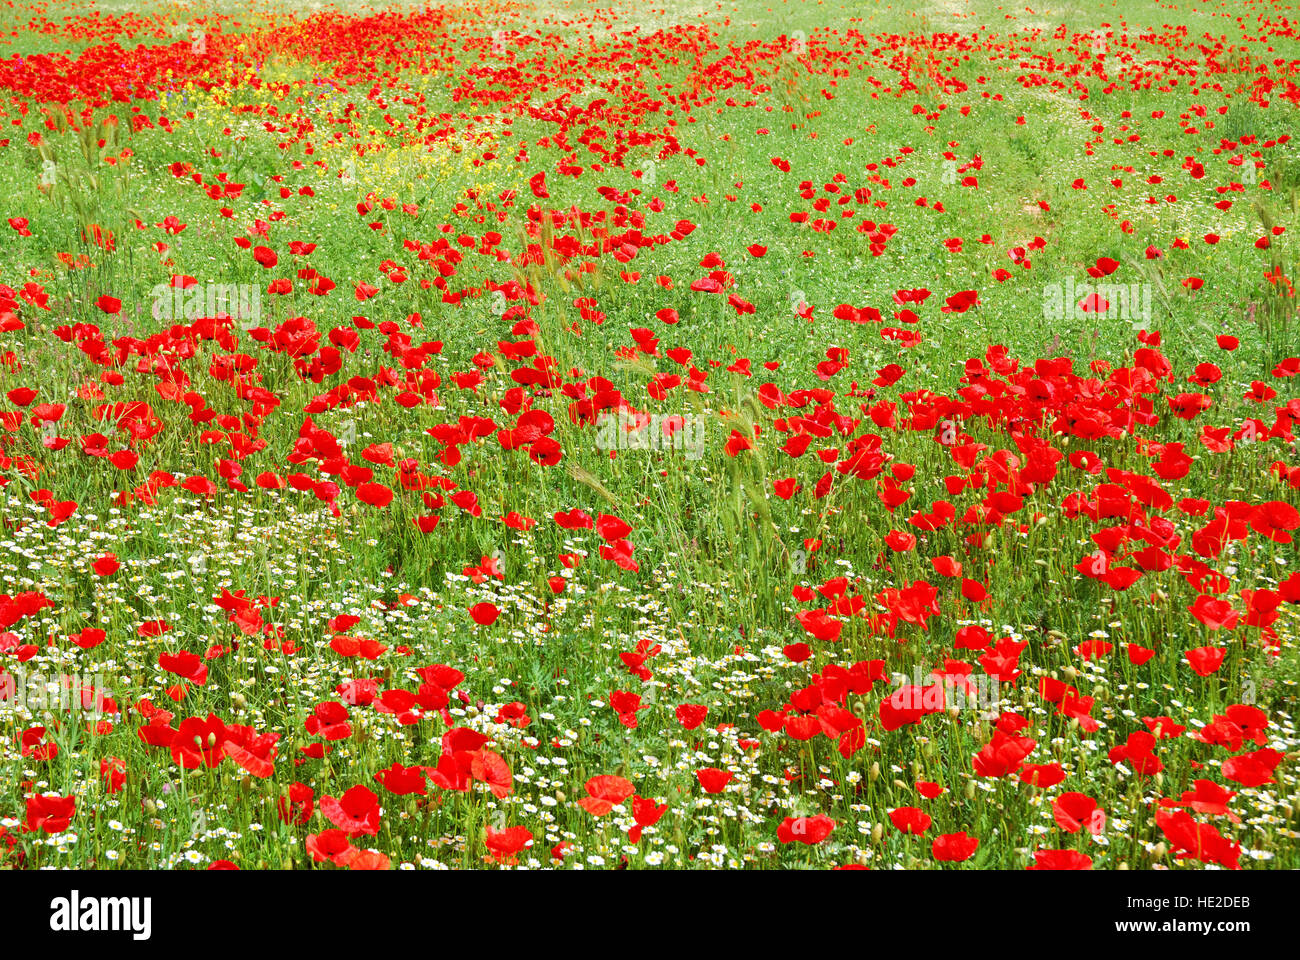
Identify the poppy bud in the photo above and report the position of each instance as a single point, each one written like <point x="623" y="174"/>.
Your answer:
<point x="970" y="789"/>
<point x="900" y="784"/>
<point x="1159" y="850"/>
<point x="1070" y="672"/>
<point x="149" y="806"/>
<point x="874" y="773"/>
<point x="860" y="709"/>
<point x="560" y="796"/>
<point x="238" y="701"/>
<point x="1123" y="865"/>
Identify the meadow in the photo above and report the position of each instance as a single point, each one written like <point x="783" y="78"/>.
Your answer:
<point x="584" y="435"/>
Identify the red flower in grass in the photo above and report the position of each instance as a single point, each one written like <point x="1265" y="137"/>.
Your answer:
<point x="488" y="767"/>
<point x="1074" y="811"/>
<point x="1138" y="753"/>
<point x="806" y="830"/>
<point x="691" y="715"/>
<point x="646" y="813"/>
<point x="185" y="664"/>
<point x="1206" y="660"/>
<point x="626" y="705"/>
<point x="1061" y="860"/>
<point x="713" y="780"/>
<point x="199" y="742"/>
<point x="1002" y="755"/>
<point x="1042" y="775"/>
<point x="355" y="813"/>
<point x="251" y="751"/>
<point x="605" y="793"/>
<point x="331" y="845"/>
<point x="368" y="860"/>
<point x="113" y="772"/>
<point x="954" y="847"/>
<point x="1198" y="841"/>
<point x="330" y="721"/>
<point x="910" y="819"/>
<point x="1253" y="769"/>
<point x="297" y="807"/>
<point x="50" y="814"/>
<point x="106" y="566"/>
<point x="402" y="781"/>
<point x="484" y="614"/>
<point x="505" y="844"/>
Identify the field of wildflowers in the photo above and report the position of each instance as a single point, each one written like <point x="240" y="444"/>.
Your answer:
<point x="745" y="435"/>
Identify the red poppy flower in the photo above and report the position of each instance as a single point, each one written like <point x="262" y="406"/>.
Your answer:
<point x="713" y="780"/>
<point x="605" y="793"/>
<point x="355" y="813"/>
<point x="910" y="819"/>
<point x="50" y="814"/>
<point x="806" y="830"/>
<point x="954" y="847"/>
